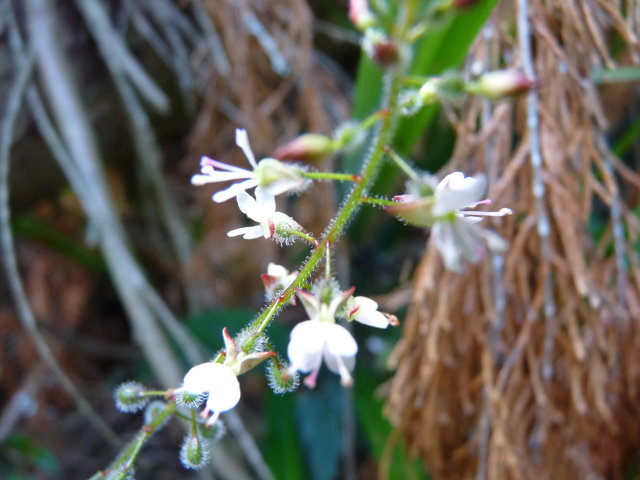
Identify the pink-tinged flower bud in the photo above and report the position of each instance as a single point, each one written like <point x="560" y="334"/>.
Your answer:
<point x="502" y="83"/>
<point x="308" y="147"/>
<point x="380" y="48"/>
<point x="360" y="14"/>
<point x="463" y="3"/>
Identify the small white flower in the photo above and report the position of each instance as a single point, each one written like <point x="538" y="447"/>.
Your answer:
<point x="216" y="380"/>
<point x="314" y="340"/>
<point x="456" y="233"/>
<point x="456" y="191"/>
<point x="455" y="230"/>
<point x="365" y="310"/>
<point x="262" y="209"/>
<point x="269" y="173"/>
<point x="276" y="280"/>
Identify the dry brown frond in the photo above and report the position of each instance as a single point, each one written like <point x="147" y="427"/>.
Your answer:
<point x="463" y="358"/>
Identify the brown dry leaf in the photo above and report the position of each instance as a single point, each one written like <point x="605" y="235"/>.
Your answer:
<point x="458" y="362"/>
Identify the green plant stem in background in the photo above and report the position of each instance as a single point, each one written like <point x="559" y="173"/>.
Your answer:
<point x="130" y="453"/>
<point x="382" y="136"/>
<point x="379" y="201"/>
<point x="342" y="177"/>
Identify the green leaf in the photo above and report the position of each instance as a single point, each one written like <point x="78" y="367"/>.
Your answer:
<point x="319" y="419"/>
<point x="281" y="447"/>
<point x="615" y="75"/>
<point x="377" y="429"/>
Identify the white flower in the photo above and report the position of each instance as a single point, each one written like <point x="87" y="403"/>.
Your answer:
<point x="262" y="209"/>
<point x="271" y="174"/>
<point x="455" y="230"/>
<point x="314" y="340"/>
<point x="216" y="380"/>
<point x="456" y="233"/>
<point x="365" y="310"/>
<point x="276" y="280"/>
<point x="321" y="338"/>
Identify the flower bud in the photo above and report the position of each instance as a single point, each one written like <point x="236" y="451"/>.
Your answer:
<point x="360" y="14"/>
<point x="428" y="93"/>
<point x="212" y="432"/>
<point x="501" y="83"/>
<point x="280" y="379"/>
<point x="130" y="397"/>
<point x="309" y="147"/>
<point x="276" y="280"/>
<point x="380" y="48"/>
<point x="194" y="453"/>
<point x="152" y="411"/>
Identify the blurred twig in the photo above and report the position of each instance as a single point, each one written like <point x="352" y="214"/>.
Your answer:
<point x="80" y="142"/>
<point x="144" y="139"/>
<point x="14" y="100"/>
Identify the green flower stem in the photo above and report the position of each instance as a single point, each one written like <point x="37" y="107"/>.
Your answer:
<point x="393" y="82"/>
<point x="130" y="453"/>
<point x="305" y="236"/>
<point x="379" y="201"/>
<point x="342" y="177"/>
<point x="371" y="120"/>
<point x="154" y="393"/>
<point x="415" y="80"/>
<point x="404" y="166"/>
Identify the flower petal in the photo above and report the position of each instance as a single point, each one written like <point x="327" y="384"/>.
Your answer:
<point x="310" y="303"/>
<point x="248" y="233"/>
<point x="456" y="191"/>
<point x="249" y="206"/>
<point x="276" y="270"/>
<point x="283" y="185"/>
<point x="339" y="340"/>
<point x="224" y="393"/>
<point x="210" y="162"/>
<point x="368" y="314"/>
<point x="233" y="190"/>
<point x="306" y="345"/>
<point x="242" y="140"/>
<point x="338" y="364"/>
<point x="266" y="201"/>
<point x="215" y="176"/>
<point x="443" y="239"/>
<point x="218" y="381"/>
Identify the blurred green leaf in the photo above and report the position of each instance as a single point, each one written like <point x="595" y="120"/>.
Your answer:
<point x="627" y="139"/>
<point x="319" y="419"/>
<point x="31" y="456"/>
<point x="377" y="429"/>
<point x="207" y="326"/>
<point x="33" y="228"/>
<point x="615" y="75"/>
<point x="281" y="444"/>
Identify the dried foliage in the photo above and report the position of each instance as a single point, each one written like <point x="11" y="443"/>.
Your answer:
<point x="526" y="366"/>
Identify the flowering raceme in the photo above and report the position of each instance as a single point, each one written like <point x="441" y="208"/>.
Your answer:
<point x="455" y="230"/>
<point x="271" y="174"/>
